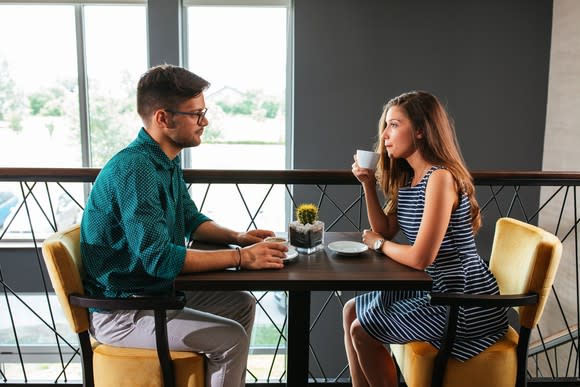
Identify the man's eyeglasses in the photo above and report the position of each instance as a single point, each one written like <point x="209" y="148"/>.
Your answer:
<point x="200" y="114"/>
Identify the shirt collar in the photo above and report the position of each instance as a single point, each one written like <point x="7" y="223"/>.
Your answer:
<point x="157" y="155"/>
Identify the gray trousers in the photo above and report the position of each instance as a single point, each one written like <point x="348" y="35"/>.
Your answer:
<point x="217" y="324"/>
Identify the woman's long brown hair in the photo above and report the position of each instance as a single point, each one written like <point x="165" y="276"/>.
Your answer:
<point x="438" y="146"/>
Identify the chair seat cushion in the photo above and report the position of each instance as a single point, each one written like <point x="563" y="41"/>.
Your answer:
<point x="496" y="366"/>
<point x="119" y="366"/>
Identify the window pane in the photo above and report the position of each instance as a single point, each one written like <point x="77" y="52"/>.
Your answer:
<point x="116" y="54"/>
<point x="39" y="207"/>
<point x="241" y="51"/>
<point x="39" y="122"/>
<point x="246" y="66"/>
<point x="44" y="338"/>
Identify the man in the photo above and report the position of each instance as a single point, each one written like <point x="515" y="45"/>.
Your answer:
<point x="136" y="224"/>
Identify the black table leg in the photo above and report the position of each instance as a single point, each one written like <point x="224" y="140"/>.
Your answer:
<point x="298" y="338"/>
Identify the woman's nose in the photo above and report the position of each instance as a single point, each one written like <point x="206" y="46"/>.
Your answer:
<point x="386" y="133"/>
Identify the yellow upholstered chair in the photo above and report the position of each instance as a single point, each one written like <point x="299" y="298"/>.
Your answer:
<point x="106" y="365"/>
<point x="524" y="260"/>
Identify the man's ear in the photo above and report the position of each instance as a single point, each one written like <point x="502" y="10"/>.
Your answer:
<point x="161" y="118"/>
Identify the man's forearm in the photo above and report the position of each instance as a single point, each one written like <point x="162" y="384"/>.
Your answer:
<point x="212" y="232"/>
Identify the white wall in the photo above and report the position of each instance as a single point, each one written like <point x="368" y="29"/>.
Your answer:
<point x="562" y="153"/>
<point x="562" y="136"/>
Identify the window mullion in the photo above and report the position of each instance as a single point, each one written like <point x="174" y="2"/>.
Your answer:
<point x="83" y="86"/>
<point x="185" y="156"/>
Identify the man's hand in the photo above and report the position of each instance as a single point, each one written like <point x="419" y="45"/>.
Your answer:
<point x="264" y="255"/>
<point x="252" y="236"/>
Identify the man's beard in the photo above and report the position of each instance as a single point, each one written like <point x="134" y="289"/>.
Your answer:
<point x="184" y="142"/>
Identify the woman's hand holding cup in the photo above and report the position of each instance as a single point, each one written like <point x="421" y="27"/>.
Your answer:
<point x="364" y="165"/>
<point x="367" y="159"/>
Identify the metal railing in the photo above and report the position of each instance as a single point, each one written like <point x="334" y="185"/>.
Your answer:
<point x="48" y="199"/>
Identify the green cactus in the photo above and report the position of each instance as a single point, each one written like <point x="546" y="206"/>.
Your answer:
<point x="307" y="213"/>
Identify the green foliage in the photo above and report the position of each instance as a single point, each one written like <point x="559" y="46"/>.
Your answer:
<point x="16" y="123"/>
<point x="106" y="136"/>
<point x="11" y="101"/>
<point x="252" y="104"/>
<point x="245" y="107"/>
<point x="211" y="134"/>
<point x="47" y="103"/>
<point x="112" y="123"/>
<point x="307" y="213"/>
<point x="37" y="102"/>
<point x="270" y="108"/>
<point x="29" y="334"/>
<point x="265" y="335"/>
<point x="50" y="126"/>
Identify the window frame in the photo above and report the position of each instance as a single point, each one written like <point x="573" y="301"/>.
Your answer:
<point x="82" y="66"/>
<point x="50" y="353"/>
<point x="289" y="97"/>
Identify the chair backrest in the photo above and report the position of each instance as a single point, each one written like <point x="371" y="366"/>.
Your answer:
<point x="524" y="259"/>
<point x="62" y="256"/>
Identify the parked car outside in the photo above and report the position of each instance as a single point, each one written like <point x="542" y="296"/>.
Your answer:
<point x="281" y="299"/>
<point x="66" y="213"/>
<point x="8" y="200"/>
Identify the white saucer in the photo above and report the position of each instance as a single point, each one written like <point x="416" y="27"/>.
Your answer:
<point x="347" y="247"/>
<point x="291" y="255"/>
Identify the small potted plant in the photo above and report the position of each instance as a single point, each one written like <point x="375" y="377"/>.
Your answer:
<point x="306" y="232"/>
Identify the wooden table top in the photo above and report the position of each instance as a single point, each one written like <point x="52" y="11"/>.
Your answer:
<point x="323" y="270"/>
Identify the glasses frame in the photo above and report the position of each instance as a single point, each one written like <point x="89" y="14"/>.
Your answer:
<point x="200" y="114"/>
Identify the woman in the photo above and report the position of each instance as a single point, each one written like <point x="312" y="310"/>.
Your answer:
<point x="431" y="199"/>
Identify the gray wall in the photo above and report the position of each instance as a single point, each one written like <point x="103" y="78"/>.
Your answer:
<point x="488" y="61"/>
<point x="164" y="43"/>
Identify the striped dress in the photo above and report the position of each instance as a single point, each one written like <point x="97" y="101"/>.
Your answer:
<point x="404" y="316"/>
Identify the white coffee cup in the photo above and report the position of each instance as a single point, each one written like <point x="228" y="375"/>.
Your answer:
<point x="276" y="239"/>
<point x="367" y="159"/>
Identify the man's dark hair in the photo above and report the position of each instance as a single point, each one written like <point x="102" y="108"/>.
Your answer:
<point x="165" y="87"/>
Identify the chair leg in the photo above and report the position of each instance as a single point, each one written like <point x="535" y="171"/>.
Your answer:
<point x="163" y="348"/>
<point x="438" y="374"/>
<point x="440" y="363"/>
<point x="522" y="351"/>
<point x="87" y="358"/>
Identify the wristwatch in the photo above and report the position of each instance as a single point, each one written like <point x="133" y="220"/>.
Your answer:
<point x="378" y="245"/>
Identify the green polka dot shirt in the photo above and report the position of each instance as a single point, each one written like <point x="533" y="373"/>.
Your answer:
<point x="137" y="221"/>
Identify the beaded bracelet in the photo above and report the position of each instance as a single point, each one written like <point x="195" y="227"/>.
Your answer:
<point x="239" y="266"/>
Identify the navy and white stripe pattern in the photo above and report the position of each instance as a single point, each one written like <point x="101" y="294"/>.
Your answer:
<point x="403" y="316"/>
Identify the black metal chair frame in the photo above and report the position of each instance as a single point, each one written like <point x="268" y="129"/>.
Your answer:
<point x="455" y="300"/>
<point x="159" y="304"/>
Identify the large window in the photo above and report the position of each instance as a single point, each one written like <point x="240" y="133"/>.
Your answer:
<point x="41" y="53"/>
<point x="67" y="79"/>
<point x="39" y="108"/>
<point x="242" y="52"/>
<point x="68" y="74"/>
<point x="67" y="97"/>
<point x="116" y="56"/>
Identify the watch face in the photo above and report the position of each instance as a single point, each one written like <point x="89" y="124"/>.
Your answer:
<point x="378" y="244"/>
